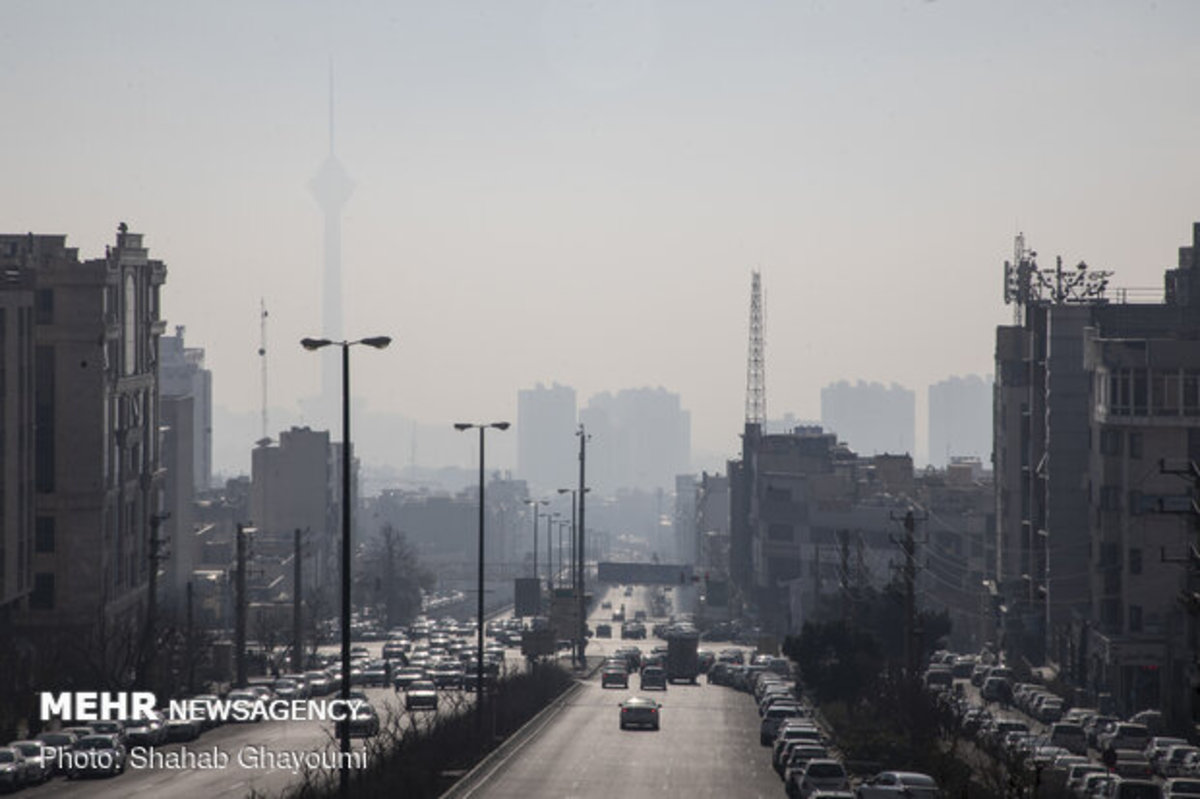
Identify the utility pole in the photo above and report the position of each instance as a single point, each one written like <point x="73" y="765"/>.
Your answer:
<point x="297" y="611"/>
<point x="150" y="639"/>
<point x="239" y="624"/>
<point x="909" y="545"/>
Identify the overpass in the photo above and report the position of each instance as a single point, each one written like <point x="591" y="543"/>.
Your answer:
<point x="644" y="573"/>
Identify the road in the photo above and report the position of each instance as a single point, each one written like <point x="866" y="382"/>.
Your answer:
<point x="708" y="745"/>
<point x="237" y="779"/>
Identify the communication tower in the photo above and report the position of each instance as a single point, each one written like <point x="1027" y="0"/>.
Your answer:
<point x="756" y="367"/>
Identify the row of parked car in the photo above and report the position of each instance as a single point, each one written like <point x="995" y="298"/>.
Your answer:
<point x="802" y="753"/>
<point x="1084" y="753"/>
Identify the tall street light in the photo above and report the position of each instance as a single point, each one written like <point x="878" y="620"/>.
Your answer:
<point x="378" y="342"/>
<point x="576" y="571"/>
<point x="460" y="426"/>
<point x="534" y="504"/>
<point x="550" y="517"/>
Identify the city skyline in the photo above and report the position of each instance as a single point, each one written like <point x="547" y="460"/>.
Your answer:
<point x="581" y="192"/>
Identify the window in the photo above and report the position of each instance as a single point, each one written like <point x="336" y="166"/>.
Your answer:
<point x="42" y="597"/>
<point x="43" y="306"/>
<point x="1140" y="392"/>
<point x="779" y="532"/>
<point x="1110" y="498"/>
<point x="1135" y="618"/>
<point x="1135" y="561"/>
<point x="1191" y="393"/>
<point x="1110" y="442"/>
<point x="1135" y="446"/>
<point x="43" y="534"/>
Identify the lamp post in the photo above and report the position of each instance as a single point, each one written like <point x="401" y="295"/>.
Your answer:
<point x="550" y="517"/>
<point x="534" y="504"/>
<point x="460" y="426"/>
<point x="378" y="342"/>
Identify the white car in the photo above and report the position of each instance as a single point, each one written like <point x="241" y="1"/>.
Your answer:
<point x="1181" y="786"/>
<point x="819" y="775"/>
<point x="897" y="785"/>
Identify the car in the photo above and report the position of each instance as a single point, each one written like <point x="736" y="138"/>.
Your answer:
<point x="1181" y="786"/>
<point x="97" y="754"/>
<point x="898" y="785"/>
<point x="773" y="719"/>
<point x="797" y="757"/>
<point x="1132" y="764"/>
<point x="150" y="730"/>
<point x="1124" y="735"/>
<point x="1123" y="788"/>
<point x="615" y="677"/>
<point x="1069" y="736"/>
<point x="1177" y="761"/>
<point x="996" y="689"/>
<point x="1077" y="773"/>
<point x="604" y="630"/>
<point x="184" y="728"/>
<point x="421" y="695"/>
<point x="446" y="674"/>
<point x="14" y="773"/>
<point x="818" y="774"/>
<point x="1093" y="785"/>
<point x="364" y="723"/>
<point x="61" y="743"/>
<point x="406" y="676"/>
<point x="639" y="711"/>
<point x="653" y="677"/>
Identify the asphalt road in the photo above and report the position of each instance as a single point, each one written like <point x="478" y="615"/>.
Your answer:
<point x="708" y="744"/>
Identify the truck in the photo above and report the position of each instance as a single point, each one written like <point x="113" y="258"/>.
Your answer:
<point x="683" y="662"/>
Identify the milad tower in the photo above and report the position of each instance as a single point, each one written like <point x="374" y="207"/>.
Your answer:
<point x="332" y="188"/>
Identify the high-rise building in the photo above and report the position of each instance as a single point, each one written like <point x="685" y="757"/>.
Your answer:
<point x="547" y="447"/>
<point x="97" y="476"/>
<point x="870" y="418"/>
<point x="182" y="374"/>
<point x="295" y="485"/>
<point x="1094" y="400"/>
<point x="640" y="438"/>
<point x="960" y="419"/>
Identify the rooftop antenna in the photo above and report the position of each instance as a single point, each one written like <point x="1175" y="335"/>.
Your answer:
<point x="262" y="354"/>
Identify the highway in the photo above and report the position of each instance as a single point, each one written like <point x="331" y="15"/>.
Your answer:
<point x="707" y="746"/>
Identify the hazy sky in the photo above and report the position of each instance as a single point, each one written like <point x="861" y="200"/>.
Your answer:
<point x="577" y="191"/>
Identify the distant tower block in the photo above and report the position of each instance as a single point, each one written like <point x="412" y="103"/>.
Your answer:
<point x="332" y="188"/>
<point x="756" y="366"/>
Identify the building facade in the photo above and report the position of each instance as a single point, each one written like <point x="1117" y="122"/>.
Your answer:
<point x="960" y="419"/>
<point x="1094" y="400"/>
<point x="17" y="417"/>
<point x="870" y="417"/>
<point x="547" y="448"/>
<point x="640" y="439"/>
<point x="97" y="470"/>
<point x="182" y="374"/>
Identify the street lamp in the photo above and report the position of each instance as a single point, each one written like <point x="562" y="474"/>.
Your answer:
<point x="378" y="342"/>
<point x="460" y="426"/>
<point x="534" y="504"/>
<point x="550" y="517"/>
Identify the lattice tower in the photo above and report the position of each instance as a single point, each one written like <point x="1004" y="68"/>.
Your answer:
<point x="756" y="367"/>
